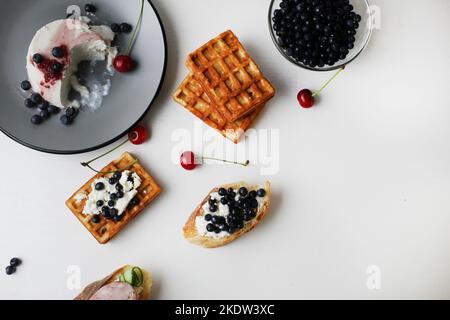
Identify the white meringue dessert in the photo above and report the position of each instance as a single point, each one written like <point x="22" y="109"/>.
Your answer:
<point x="79" y="41"/>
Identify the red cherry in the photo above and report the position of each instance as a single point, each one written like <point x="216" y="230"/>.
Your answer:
<point x="187" y="160"/>
<point x="138" y="135"/>
<point x="305" y="98"/>
<point x="124" y="63"/>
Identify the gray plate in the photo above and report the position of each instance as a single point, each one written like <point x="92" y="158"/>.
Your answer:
<point x="131" y="94"/>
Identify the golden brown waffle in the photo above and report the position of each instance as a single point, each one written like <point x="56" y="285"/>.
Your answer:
<point x="107" y="229"/>
<point x="190" y="94"/>
<point x="230" y="77"/>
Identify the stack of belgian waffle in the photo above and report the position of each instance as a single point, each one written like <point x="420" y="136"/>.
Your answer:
<point x="225" y="87"/>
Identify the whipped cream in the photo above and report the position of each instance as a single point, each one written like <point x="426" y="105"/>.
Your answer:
<point x="82" y="42"/>
<point x="129" y="190"/>
<point x="223" y="210"/>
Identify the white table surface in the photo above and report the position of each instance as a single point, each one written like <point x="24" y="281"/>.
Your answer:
<point x="363" y="178"/>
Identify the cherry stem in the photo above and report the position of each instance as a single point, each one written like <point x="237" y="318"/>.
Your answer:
<point x="108" y="172"/>
<point x="87" y="164"/>
<point x="136" y="30"/>
<point x="315" y="94"/>
<point x="244" y="164"/>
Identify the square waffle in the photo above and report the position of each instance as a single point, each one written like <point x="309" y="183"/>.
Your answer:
<point x="107" y="229"/>
<point x="190" y="94"/>
<point x="230" y="77"/>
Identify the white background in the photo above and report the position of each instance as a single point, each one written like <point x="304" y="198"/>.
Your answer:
<point x="363" y="178"/>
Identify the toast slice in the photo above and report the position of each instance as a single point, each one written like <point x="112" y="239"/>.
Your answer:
<point x="106" y="229"/>
<point x="191" y="231"/>
<point x="144" y="290"/>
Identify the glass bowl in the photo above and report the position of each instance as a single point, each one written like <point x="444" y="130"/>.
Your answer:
<point x="362" y="37"/>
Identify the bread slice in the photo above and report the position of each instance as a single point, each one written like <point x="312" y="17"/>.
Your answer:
<point x="190" y="230"/>
<point x="144" y="291"/>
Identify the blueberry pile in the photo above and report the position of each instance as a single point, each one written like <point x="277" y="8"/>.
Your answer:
<point x="44" y="109"/>
<point x="13" y="264"/>
<point x="108" y="210"/>
<point x="121" y="28"/>
<point x="316" y="32"/>
<point x="53" y="68"/>
<point x="115" y="27"/>
<point x="241" y="211"/>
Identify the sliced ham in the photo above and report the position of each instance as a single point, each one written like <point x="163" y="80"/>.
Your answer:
<point x="115" y="291"/>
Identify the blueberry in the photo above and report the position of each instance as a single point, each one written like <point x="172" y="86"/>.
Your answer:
<point x="224" y="200"/>
<point x="253" y="204"/>
<point x="70" y="112"/>
<point x="115" y="28"/>
<point x="54" y="109"/>
<point x="231" y="195"/>
<point x="213" y="208"/>
<point x="38" y="58"/>
<point x="112" y="181"/>
<point x="210" y="227"/>
<point x="261" y="193"/>
<point x="15" y="262"/>
<point x="36" y="98"/>
<point x="126" y="28"/>
<point x="222" y="192"/>
<point x="36" y="119"/>
<point x="90" y="8"/>
<point x="44" y="105"/>
<point x="208" y="217"/>
<point x="218" y="220"/>
<point x="10" y="270"/>
<point x="58" y="52"/>
<point x="106" y="212"/>
<point x="113" y="196"/>
<point x="96" y="219"/>
<point x="118" y="217"/>
<point x="117" y="175"/>
<point x="243" y="191"/>
<point x="119" y="187"/>
<point x="29" y="103"/>
<point x="135" y="201"/>
<point x="99" y="186"/>
<point x="65" y="120"/>
<point x="120" y="194"/>
<point x="247" y="217"/>
<point x="25" y="85"/>
<point x="111" y="203"/>
<point x="45" y="114"/>
<point x="252" y="194"/>
<point x="212" y="202"/>
<point x="57" y="67"/>
<point x="100" y="203"/>
<point x="246" y="204"/>
<point x="114" y="212"/>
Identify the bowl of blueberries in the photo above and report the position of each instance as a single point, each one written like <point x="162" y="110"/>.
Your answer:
<point x="320" y="35"/>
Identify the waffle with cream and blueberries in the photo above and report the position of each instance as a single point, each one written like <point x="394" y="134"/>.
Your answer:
<point x="111" y="199"/>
